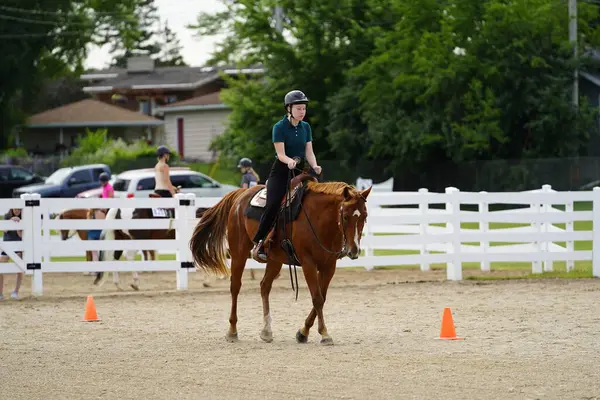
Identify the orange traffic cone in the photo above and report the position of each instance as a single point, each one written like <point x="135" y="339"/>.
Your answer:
<point x="448" y="332"/>
<point x="90" y="310"/>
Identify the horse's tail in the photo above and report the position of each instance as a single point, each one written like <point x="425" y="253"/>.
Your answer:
<point x="208" y="240"/>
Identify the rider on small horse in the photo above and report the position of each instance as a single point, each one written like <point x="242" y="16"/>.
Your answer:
<point x="163" y="186"/>
<point x="292" y="138"/>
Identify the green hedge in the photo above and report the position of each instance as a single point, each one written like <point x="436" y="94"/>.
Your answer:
<point x="116" y="153"/>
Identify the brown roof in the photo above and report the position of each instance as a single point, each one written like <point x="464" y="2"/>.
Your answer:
<point x="204" y="100"/>
<point x="87" y="113"/>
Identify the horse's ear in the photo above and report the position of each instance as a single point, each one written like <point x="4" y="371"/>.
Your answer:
<point x="347" y="194"/>
<point x="365" y="193"/>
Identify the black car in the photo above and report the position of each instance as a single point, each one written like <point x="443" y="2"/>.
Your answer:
<point x="13" y="177"/>
<point x="67" y="182"/>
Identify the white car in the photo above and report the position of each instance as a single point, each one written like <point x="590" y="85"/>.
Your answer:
<point x="140" y="183"/>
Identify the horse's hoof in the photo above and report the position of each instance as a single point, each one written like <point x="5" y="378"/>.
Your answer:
<point x="327" y="341"/>
<point x="300" y="338"/>
<point x="266" y="336"/>
<point x="232" y="338"/>
<point x="135" y="286"/>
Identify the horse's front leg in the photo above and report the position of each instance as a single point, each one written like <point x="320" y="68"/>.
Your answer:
<point x="272" y="269"/>
<point x="323" y="280"/>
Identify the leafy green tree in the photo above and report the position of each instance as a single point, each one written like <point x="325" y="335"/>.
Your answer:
<point x="45" y="40"/>
<point x="460" y="81"/>
<point x="320" y="41"/>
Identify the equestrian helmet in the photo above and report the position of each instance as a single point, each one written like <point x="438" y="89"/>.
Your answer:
<point x="162" y="150"/>
<point x="295" y="97"/>
<point x="103" y="177"/>
<point x="245" y="162"/>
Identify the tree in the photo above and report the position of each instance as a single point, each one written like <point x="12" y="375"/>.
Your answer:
<point x="320" y="41"/>
<point x="42" y="41"/>
<point x="143" y="38"/>
<point x="472" y="81"/>
<point x="170" y="49"/>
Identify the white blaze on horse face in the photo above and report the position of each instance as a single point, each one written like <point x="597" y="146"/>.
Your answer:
<point x="356" y="213"/>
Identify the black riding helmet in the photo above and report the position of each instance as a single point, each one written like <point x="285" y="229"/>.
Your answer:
<point x="245" y="162"/>
<point x="295" y="97"/>
<point x="103" y="177"/>
<point x="162" y="150"/>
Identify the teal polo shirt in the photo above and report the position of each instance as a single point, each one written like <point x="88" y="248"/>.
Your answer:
<point x="293" y="137"/>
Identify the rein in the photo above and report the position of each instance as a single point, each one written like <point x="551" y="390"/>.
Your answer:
<point x="288" y="221"/>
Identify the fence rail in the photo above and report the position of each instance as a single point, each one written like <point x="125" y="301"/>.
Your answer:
<point x="394" y="234"/>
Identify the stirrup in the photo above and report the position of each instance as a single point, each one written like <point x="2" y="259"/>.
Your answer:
<point x="257" y="254"/>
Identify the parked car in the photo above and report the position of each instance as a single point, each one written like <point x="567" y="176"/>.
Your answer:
<point x="96" y="192"/>
<point x="13" y="177"/>
<point x="67" y="182"/>
<point x="140" y="183"/>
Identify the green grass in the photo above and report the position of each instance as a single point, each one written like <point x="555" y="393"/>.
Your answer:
<point x="230" y="176"/>
<point x="161" y="257"/>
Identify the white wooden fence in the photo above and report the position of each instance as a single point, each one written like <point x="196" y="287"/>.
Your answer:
<point x="406" y="231"/>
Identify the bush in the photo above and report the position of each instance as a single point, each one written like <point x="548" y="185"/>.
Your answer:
<point x="116" y="153"/>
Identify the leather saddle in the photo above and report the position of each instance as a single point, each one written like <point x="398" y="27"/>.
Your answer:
<point x="260" y="198"/>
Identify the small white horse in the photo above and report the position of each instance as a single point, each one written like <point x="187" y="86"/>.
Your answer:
<point x="112" y="255"/>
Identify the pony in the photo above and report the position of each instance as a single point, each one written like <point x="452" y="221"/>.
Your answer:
<point x="328" y="227"/>
<point x="133" y="234"/>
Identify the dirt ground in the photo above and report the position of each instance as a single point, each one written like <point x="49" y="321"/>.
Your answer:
<point x="524" y="339"/>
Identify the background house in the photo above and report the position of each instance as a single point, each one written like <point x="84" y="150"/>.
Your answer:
<point x="57" y="129"/>
<point x="188" y="98"/>
<point x="191" y="125"/>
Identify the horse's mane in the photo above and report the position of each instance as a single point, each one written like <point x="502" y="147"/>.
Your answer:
<point x="332" y="188"/>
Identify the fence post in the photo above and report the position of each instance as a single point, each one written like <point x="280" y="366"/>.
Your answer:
<point x="33" y="226"/>
<point x="569" y="209"/>
<point x="596" y="234"/>
<point x="454" y="268"/>
<point x="536" y="266"/>
<point x="368" y="234"/>
<point x="424" y="209"/>
<point x="184" y="212"/>
<point x="547" y="227"/>
<point x="484" y="226"/>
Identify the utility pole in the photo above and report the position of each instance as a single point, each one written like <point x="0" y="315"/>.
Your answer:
<point x="573" y="40"/>
<point x="279" y="19"/>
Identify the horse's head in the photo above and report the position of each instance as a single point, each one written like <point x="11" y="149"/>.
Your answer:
<point x="353" y="214"/>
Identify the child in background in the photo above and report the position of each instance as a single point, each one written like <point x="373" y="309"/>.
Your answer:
<point x="12" y="236"/>
<point x="249" y="176"/>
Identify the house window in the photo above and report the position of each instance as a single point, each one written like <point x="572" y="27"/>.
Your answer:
<point x="170" y="99"/>
<point x="144" y="107"/>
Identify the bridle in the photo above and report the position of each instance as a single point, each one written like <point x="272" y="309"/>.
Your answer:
<point x="342" y="224"/>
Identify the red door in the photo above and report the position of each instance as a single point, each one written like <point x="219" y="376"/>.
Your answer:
<point x="180" y="146"/>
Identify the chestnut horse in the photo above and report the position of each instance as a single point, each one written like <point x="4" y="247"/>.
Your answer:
<point x="328" y="227"/>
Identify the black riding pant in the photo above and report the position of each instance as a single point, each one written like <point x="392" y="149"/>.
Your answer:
<point x="276" y="189"/>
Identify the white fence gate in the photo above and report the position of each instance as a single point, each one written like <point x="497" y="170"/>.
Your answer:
<point x="396" y="229"/>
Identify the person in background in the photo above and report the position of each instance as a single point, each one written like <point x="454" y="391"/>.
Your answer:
<point x="100" y="213"/>
<point x="249" y="176"/>
<point x="163" y="186"/>
<point x="13" y="214"/>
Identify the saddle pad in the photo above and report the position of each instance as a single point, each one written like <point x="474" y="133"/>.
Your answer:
<point x="260" y="198"/>
<point x="258" y="201"/>
<point x="159" y="213"/>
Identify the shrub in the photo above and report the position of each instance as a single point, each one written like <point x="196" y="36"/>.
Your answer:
<point x="116" y="153"/>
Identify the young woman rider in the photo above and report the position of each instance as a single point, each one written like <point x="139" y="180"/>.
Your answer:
<point x="292" y="138"/>
<point x="163" y="186"/>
